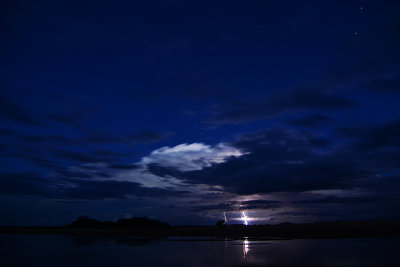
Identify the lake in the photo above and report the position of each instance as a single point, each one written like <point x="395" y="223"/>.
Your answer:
<point x="58" y="250"/>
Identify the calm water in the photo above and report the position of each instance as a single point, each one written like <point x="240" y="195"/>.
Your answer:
<point x="52" y="250"/>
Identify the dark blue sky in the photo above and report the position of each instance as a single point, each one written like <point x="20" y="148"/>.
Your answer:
<point x="182" y="110"/>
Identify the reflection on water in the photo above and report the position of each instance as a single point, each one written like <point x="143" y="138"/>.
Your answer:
<point x="53" y="250"/>
<point x="245" y="247"/>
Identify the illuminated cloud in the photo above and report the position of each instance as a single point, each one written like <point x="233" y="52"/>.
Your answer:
<point x="192" y="157"/>
<point x="183" y="157"/>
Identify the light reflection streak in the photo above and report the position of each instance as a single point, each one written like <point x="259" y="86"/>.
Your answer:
<point x="245" y="247"/>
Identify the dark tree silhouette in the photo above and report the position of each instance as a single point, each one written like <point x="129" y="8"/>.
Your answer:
<point x="221" y="223"/>
<point x="138" y="223"/>
<point x="141" y="222"/>
<point x="84" y="222"/>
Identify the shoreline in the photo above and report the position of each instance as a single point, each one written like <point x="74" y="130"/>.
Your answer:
<point x="262" y="232"/>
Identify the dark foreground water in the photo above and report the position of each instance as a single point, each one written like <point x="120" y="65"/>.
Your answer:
<point x="53" y="250"/>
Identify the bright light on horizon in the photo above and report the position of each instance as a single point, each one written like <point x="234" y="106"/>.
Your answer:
<point x="245" y="219"/>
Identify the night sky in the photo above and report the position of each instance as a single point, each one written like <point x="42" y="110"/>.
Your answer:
<point x="183" y="110"/>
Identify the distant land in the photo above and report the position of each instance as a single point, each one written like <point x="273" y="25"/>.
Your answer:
<point x="144" y="227"/>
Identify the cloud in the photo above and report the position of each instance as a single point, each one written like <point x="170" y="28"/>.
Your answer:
<point x="374" y="137"/>
<point x="216" y="177"/>
<point x="310" y="121"/>
<point x="260" y="204"/>
<point x="76" y="156"/>
<point x="74" y="117"/>
<point x="191" y="157"/>
<point x="146" y="137"/>
<point x="183" y="157"/>
<point x="281" y="160"/>
<point x="87" y="189"/>
<point x="14" y="112"/>
<point x="256" y="204"/>
<point x="24" y="183"/>
<point x="75" y="184"/>
<point x="287" y="160"/>
<point x="102" y="137"/>
<point x="122" y="166"/>
<point x="32" y="156"/>
<point x="273" y="160"/>
<point x="275" y="105"/>
<point x="384" y="85"/>
<point x="341" y="200"/>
